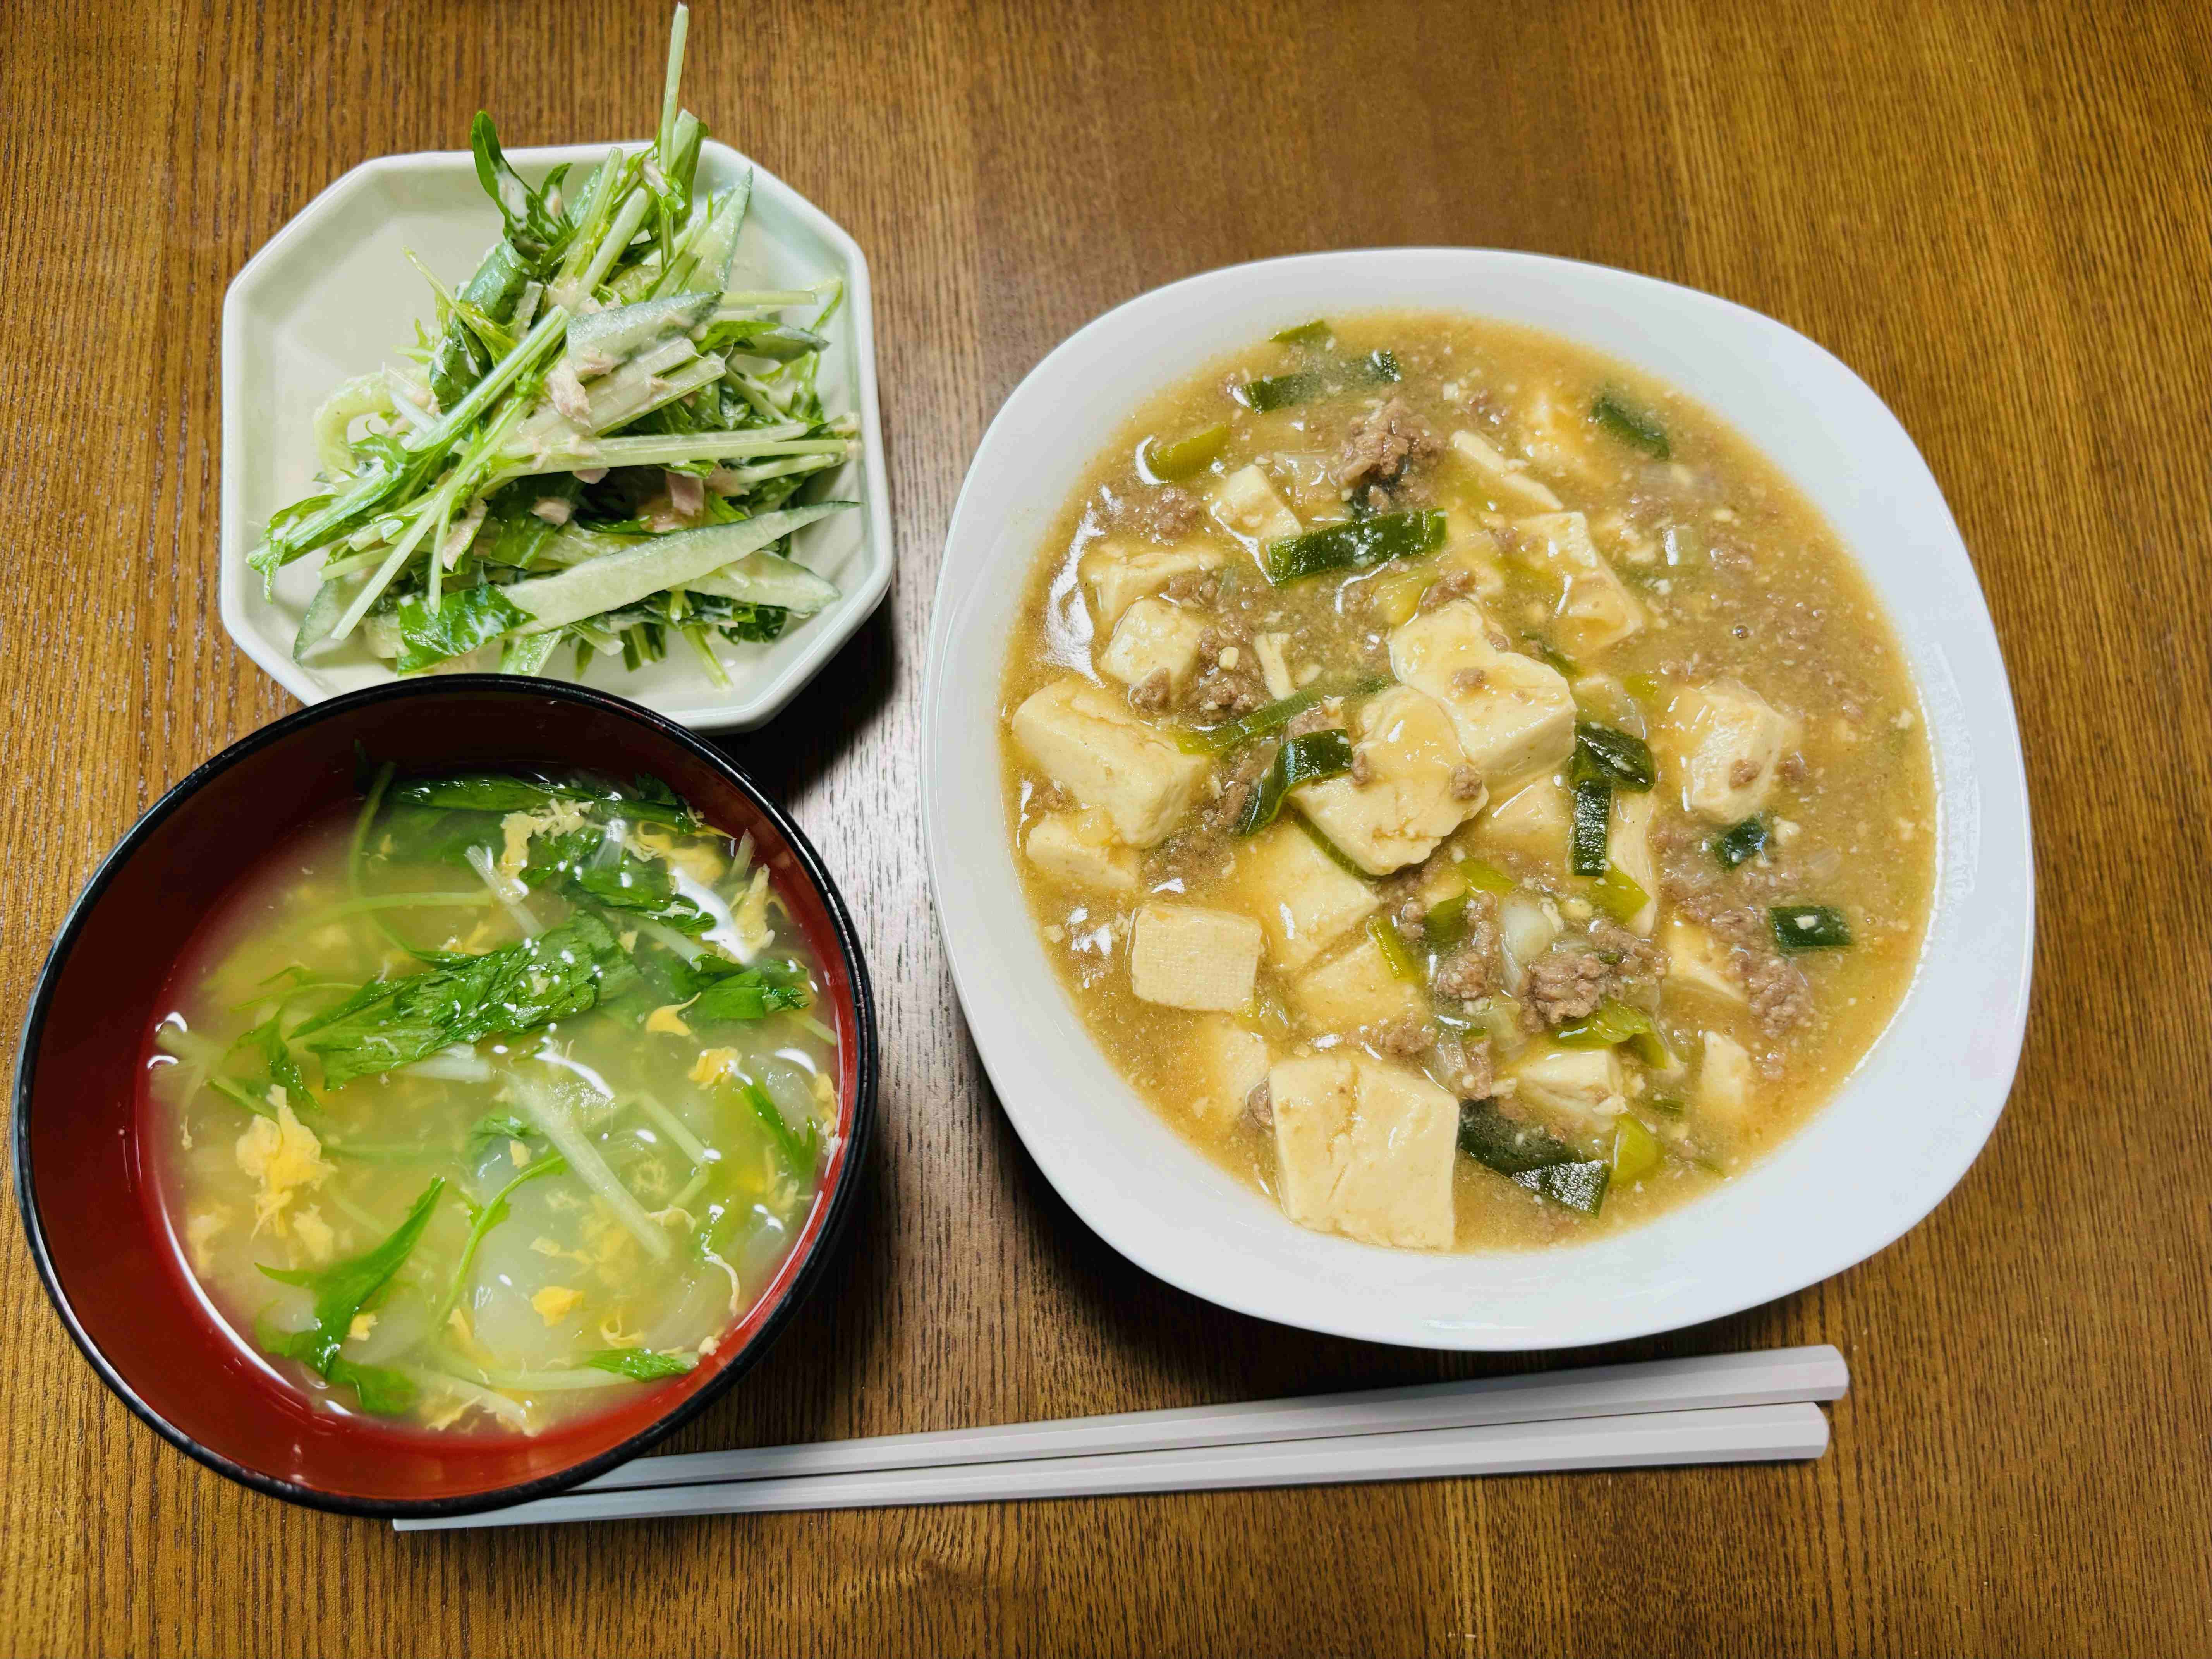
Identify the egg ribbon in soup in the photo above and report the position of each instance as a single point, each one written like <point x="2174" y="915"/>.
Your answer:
<point x="495" y="1098"/>
<point x="1462" y="784"/>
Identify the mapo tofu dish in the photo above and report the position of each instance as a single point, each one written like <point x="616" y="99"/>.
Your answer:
<point x="1462" y="784"/>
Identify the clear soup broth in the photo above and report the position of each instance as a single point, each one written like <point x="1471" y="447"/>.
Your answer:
<point x="486" y="1103"/>
<point x="1462" y="784"/>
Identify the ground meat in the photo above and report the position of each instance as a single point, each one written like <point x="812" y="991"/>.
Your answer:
<point x="1260" y="1107"/>
<point x="1051" y="797"/>
<point x="1470" y="679"/>
<point x="1319" y="718"/>
<point x="1472" y="969"/>
<point x="1467" y="1066"/>
<point x="1780" y="998"/>
<point x="1630" y="955"/>
<point x="1198" y="587"/>
<point x="1380" y="446"/>
<point x="1237" y="788"/>
<point x="1465" y="783"/>
<point x="1793" y="768"/>
<point x="1404" y="1039"/>
<point x="1363" y="769"/>
<point x="1452" y="585"/>
<point x="1153" y="694"/>
<point x="1229" y="683"/>
<point x="1743" y="773"/>
<point x="1563" y="985"/>
<point x="1166" y="514"/>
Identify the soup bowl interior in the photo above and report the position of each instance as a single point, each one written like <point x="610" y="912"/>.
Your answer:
<point x="87" y="1182"/>
<point x="1907" y="1124"/>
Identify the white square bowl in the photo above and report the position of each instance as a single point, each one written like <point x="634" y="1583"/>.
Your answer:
<point x="1903" y="1128"/>
<point x="331" y="296"/>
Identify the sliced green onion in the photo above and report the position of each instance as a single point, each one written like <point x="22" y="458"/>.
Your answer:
<point x="1739" y="842"/>
<point x="1632" y="425"/>
<point x="1532" y="1158"/>
<point x="1617" y="893"/>
<point x="1303" y="759"/>
<point x="1612" y="1023"/>
<point x="1395" y="952"/>
<point x="1810" y="927"/>
<point x="1635" y="1149"/>
<point x="1480" y="872"/>
<point x="1354" y="545"/>
<point x="1624" y="758"/>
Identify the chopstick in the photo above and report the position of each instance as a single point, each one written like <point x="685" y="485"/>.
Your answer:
<point x="1720" y="1407"/>
<point x="1730" y="1434"/>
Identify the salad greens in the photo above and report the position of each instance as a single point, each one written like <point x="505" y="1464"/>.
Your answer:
<point x="598" y="443"/>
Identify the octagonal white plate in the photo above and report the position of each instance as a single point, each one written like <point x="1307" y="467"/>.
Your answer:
<point x="331" y="296"/>
<point x="1907" y="1124"/>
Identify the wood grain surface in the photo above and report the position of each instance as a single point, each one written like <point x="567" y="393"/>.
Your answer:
<point x="1997" y="214"/>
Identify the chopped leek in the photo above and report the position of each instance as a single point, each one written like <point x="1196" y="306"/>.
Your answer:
<point x="1632" y="425"/>
<point x="1635" y="1149"/>
<point x="1354" y="545"/>
<point x="1739" y="842"/>
<point x="1303" y="759"/>
<point x="1396" y="953"/>
<point x="1626" y="759"/>
<point x="1810" y="927"/>
<point x="1185" y="457"/>
<point x="1612" y="1023"/>
<point x="1531" y="1157"/>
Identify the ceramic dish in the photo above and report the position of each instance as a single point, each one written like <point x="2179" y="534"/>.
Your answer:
<point x="96" y="1228"/>
<point x="1901" y="1132"/>
<point x="331" y="293"/>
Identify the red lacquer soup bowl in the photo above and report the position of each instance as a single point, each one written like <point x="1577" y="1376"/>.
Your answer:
<point x="89" y="1193"/>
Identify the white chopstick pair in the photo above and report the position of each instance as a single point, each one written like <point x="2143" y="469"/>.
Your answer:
<point x="1718" y="1408"/>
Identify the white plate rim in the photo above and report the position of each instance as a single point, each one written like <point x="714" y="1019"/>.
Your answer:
<point x="1985" y="811"/>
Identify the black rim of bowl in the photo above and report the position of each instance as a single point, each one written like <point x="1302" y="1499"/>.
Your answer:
<point x="803" y="1282"/>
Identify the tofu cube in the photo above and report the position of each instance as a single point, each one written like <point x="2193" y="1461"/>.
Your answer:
<point x="1272" y="650"/>
<point x="1245" y="505"/>
<point x="1725" y="1086"/>
<point x="1366" y="1150"/>
<point x="1304" y="900"/>
<point x="1469" y="547"/>
<point x="1509" y="483"/>
<point x="1354" y="988"/>
<point x="1697" y="961"/>
<point x="1583" y="1083"/>
<point x="1407" y="804"/>
<point x="1226" y="1062"/>
<point x="1184" y="956"/>
<point x="1595" y="610"/>
<point x="1153" y="636"/>
<point x="1533" y="821"/>
<point x="1090" y="743"/>
<point x="1725" y="741"/>
<point x="1630" y="850"/>
<point x="1078" y="849"/>
<point x="1512" y="714"/>
<point x="1119" y="572"/>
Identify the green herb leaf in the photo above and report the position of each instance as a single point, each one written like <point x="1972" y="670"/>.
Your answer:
<point x="722" y="990"/>
<point x="648" y="800"/>
<point x="641" y="1364"/>
<point x="342" y="1289"/>
<point x="464" y="620"/>
<point x="462" y="998"/>
<point x="1301" y="760"/>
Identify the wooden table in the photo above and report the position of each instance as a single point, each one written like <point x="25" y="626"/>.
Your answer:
<point x="1997" y="215"/>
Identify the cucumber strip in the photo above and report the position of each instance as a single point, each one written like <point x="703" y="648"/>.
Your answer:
<point x="664" y="562"/>
<point x="768" y="578"/>
<point x="618" y="334"/>
<point x="1354" y="545"/>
